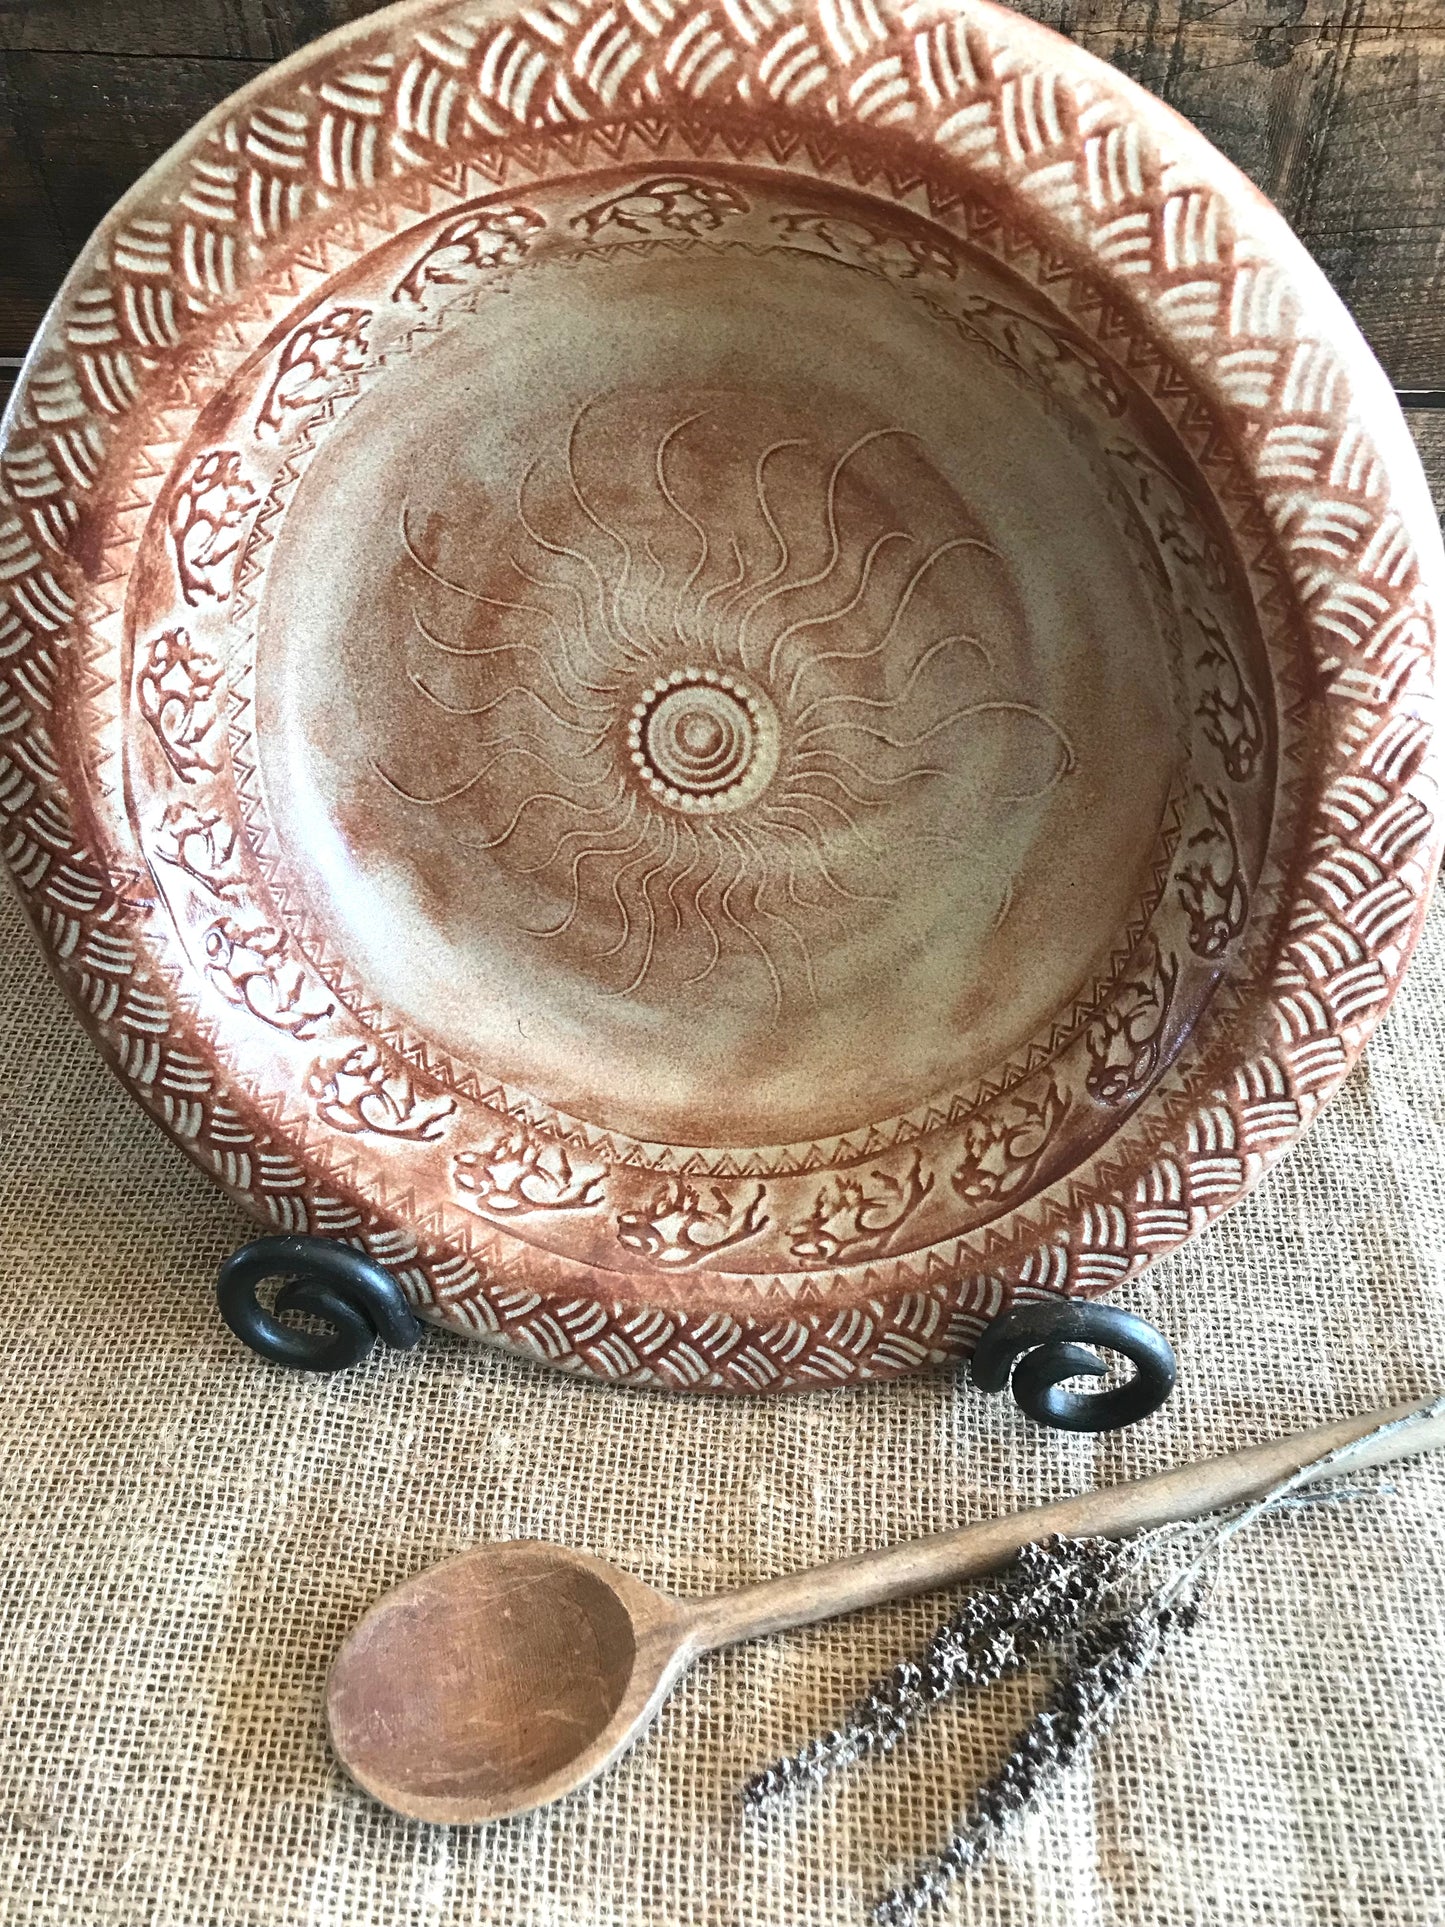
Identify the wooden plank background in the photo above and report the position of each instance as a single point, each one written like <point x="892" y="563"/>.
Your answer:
<point x="1335" y="107"/>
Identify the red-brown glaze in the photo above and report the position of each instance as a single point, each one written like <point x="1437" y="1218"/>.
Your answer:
<point x="730" y="689"/>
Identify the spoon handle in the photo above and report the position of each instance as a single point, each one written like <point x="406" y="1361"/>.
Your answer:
<point x="1184" y="1492"/>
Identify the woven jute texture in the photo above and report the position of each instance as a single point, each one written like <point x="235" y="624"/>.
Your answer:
<point x="186" y="1535"/>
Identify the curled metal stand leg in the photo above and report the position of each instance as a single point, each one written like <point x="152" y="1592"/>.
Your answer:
<point x="1046" y="1342"/>
<point x="358" y="1298"/>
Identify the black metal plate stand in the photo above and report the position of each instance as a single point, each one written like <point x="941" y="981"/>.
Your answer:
<point x="357" y="1297"/>
<point x="1030" y="1349"/>
<point x="1043" y="1343"/>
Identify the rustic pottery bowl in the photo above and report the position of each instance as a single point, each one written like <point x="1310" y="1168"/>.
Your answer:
<point x="732" y="681"/>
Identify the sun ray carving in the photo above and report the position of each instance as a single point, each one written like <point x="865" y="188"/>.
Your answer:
<point x="698" y="692"/>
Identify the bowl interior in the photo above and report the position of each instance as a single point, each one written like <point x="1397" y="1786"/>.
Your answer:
<point x="729" y="659"/>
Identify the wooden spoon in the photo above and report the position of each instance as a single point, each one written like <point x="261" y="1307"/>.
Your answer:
<point x="509" y="1675"/>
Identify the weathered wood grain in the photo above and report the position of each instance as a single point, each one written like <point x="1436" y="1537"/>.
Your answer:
<point x="239" y="29"/>
<point x="1335" y="107"/>
<point x="75" y="131"/>
<point x="1428" y="428"/>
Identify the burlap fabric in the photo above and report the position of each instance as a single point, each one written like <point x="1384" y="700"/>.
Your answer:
<point x="186" y="1535"/>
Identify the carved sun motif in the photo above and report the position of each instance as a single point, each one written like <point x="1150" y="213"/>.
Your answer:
<point x="700" y="682"/>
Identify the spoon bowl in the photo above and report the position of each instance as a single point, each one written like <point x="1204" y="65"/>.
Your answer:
<point x="502" y="1678"/>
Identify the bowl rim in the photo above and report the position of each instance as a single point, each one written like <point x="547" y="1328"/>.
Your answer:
<point x="1356" y="453"/>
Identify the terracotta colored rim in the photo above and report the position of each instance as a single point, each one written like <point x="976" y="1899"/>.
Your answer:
<point x="1154" y="247"/>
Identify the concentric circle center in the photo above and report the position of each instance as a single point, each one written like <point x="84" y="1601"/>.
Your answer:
<point x="699" y="733"/>
<point x="702" y="740"/>
<point x="699" y="739"/>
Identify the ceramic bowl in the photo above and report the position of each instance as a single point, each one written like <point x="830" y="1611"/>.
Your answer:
<point x="733" y="681"/>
